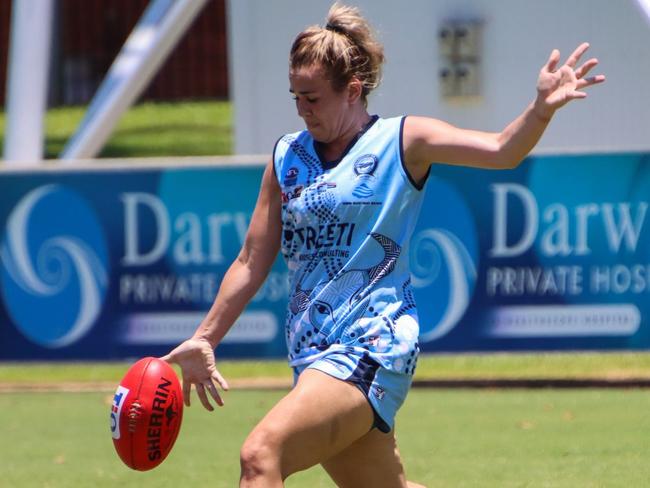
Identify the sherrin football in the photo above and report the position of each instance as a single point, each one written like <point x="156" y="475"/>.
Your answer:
<point x="146" y="414"/>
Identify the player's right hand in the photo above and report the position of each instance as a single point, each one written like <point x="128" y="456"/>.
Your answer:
<point x="197" y="362"/>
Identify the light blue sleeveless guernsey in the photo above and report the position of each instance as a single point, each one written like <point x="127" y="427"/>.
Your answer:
<point x="346" y="230"/>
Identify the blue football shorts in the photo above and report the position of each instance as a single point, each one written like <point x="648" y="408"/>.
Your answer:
<point x="385" y="389"/>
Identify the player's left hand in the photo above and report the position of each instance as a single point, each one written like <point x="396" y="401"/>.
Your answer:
<point x="558" y="86"/>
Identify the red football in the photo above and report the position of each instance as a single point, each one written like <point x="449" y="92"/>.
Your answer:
<point x="146" y="413"/>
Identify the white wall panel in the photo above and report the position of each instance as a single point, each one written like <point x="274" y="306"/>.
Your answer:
<point x="518" y="36"/>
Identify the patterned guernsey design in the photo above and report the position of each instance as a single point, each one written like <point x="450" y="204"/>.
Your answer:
<point x="345" y="238"/>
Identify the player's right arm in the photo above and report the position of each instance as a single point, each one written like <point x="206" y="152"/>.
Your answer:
<point x="240" y="283"/>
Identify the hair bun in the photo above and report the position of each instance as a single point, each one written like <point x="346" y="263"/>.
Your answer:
<point x="335" y="28"/>
<point x="356" y="53"/>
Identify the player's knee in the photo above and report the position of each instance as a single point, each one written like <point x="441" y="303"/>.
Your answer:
<point x="259" y="456"/>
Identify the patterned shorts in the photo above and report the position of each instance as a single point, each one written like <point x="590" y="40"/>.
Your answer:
<point x="385" y="390"/>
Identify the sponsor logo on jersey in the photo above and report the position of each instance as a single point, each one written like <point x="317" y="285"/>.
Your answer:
<point x="324" y="186"/>
<point x="379" y="392"/>
<point x="323" y="236"/>
<point x="291" y="177"/>
<point x="292" y="193"/>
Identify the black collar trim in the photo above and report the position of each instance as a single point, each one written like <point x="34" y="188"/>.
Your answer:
<point x="318" y="146"/>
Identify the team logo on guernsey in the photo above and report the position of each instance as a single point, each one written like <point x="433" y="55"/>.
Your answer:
<point x="362" y="191"/>
<point x="366" y="165"/>
<point x="364" y="168"/>
<point x="291" y="177"/>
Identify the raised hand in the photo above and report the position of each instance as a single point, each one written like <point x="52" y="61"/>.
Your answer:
<point x="558" y="86"/>
<point x="196" y="359"/>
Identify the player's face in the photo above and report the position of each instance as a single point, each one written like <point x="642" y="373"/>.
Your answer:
<point x="323" y="109"/>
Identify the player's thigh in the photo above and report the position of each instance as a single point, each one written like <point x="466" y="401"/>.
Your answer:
<point x="320" y="417"/>
<point x="372" y="461"/>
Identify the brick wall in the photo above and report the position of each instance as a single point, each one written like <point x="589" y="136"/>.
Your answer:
<point x="89" y="34"/>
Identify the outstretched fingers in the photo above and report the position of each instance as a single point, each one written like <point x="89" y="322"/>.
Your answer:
<point x="553" y="61"/>
<point x="197" y="362"/>
<point x="187" y="389"/>
<point x="200" y="390"/>
<point x="214" y="392"/>
<point x="585" y="83"/>
<point x="559" y="84"/>
<point x="221" y="381"/>
<point x="581" y="72"/>
<point x="589" y="81"/>
<point x="572" y="61"/>
<point x="575" y="94"/>
<point x="586" y="68"/>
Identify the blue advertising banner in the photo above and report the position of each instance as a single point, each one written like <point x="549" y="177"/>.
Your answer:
<point x="553" y="255"/>
<point x="115" y="263"/>
<point x="112" y="264"/>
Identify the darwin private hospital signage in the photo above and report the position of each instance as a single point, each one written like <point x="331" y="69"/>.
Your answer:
<point x="119" y="263"/>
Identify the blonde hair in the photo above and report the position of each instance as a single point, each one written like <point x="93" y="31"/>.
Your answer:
<point x="345" y="48"/>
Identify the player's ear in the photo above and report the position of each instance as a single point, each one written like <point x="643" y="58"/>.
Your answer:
<point x="355" y="89"/>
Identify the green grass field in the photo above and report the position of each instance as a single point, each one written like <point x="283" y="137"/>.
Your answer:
<point x="472" y="438"/>
<point x="439" y="366"/>
<point x="449" y="438"/>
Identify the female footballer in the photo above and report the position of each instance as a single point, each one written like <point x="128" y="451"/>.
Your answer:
<point x="340" y="201"/>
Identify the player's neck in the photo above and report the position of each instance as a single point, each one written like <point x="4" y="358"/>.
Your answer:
<point x="333" y="150"/>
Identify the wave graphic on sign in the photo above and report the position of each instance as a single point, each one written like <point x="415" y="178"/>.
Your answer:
<point x="53" y="283"/>
<point x="443" y="250"/>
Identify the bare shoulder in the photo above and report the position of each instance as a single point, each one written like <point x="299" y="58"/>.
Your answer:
<point x="420" y="137"/>
<point x="270" y="179"/>
<point x="419" y="127"/>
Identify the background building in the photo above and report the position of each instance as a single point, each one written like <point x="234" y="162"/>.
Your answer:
<point x="516" y="38"/>
<point x="88" y="34"/>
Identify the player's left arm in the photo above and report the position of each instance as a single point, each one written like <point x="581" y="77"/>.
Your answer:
<point x="428" y="140"/>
